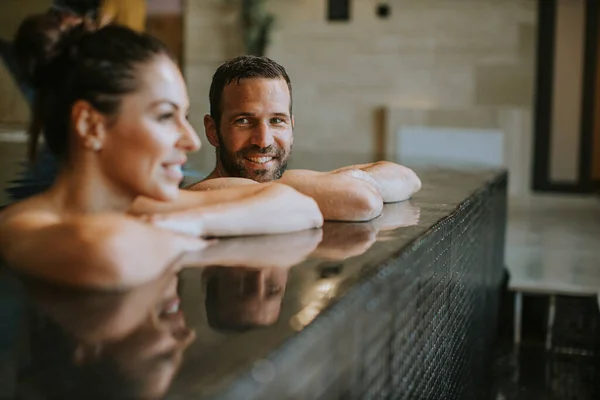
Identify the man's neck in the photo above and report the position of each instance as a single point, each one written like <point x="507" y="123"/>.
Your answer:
<point x="218" y="172"/>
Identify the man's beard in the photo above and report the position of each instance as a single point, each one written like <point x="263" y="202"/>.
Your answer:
<point x="233" y="164"/>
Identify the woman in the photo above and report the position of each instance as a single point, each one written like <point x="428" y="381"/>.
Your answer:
<point x="112" y="107"/>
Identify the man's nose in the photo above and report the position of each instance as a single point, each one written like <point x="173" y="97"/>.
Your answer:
<point x="262" y="136"/>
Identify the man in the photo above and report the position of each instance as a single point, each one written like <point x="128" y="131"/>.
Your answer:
<point x="251" y="126"/>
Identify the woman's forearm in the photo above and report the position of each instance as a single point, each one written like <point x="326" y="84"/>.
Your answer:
<point x="272" y="208"/>
<point x="206" y="193"/>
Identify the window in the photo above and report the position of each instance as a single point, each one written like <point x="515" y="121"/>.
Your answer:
<point x="338" y="10"/>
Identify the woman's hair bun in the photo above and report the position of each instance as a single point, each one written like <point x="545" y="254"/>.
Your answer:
<point x="42" y="38"/>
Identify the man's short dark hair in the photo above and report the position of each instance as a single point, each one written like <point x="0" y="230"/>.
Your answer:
<point x="242" y="67"/>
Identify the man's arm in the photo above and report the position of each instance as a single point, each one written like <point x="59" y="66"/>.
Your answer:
<point x="340" y="197"/>
<point x="394" y="182"/>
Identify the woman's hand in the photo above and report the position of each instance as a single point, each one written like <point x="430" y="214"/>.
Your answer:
<point x="177" y="222"/>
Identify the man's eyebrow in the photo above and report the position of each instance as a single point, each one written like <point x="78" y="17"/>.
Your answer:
<point x="242" y="114"/>
<point x="281" y="114"/>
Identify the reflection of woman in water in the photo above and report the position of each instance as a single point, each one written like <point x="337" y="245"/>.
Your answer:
<point x="106" y="346"/>
<point x="112" y="106"/>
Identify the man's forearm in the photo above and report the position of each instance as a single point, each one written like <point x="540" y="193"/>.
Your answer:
<point x="340" y="197"/>
<point x="394" y="182"/>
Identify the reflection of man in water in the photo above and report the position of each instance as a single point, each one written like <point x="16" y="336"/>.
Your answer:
<point x="244" y="298"/>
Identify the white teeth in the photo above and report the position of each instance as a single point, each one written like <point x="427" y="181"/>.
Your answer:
<point x="260" y="160"/>
<point x="173" y="309"/>
<point x="174" y="167"/>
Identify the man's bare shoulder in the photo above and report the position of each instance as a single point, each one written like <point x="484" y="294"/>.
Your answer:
<point x="220" y="183"/>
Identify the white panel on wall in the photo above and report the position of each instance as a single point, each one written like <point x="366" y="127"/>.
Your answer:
<point x="451" y="145"/>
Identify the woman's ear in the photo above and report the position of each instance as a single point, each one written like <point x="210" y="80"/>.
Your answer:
<point x="210" y="128"/>
<point x="89" y="125"/>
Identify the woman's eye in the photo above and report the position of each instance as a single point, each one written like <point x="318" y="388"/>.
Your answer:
<point x="165" y="117"/>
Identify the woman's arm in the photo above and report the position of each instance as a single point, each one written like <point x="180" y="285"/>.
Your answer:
<point x="268" y="208"/>
<point x="275" y="251"/>
<point x="205" y="193"/>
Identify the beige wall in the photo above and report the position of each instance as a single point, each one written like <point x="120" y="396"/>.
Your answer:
<point x="430" y="54"/>
<point x="13" y="108"/>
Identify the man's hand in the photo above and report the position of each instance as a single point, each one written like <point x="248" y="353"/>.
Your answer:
<point x="394" y="182"/>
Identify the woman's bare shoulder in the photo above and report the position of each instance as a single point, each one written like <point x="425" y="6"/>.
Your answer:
<point x="34" y="212"/>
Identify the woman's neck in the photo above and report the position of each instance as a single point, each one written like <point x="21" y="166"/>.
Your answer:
<point x="84" y="190"/>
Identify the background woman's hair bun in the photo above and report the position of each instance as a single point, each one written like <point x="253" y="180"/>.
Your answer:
<point x="42" y="38"/>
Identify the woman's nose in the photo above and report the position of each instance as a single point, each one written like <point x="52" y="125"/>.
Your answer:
<point x="189" y="141"/>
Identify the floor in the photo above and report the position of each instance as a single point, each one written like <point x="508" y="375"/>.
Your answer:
<point x="553" y="250"/>
<point x="553" y="244"/>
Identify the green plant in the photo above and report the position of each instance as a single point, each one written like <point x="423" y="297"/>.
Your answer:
<point x="256" y="24"/>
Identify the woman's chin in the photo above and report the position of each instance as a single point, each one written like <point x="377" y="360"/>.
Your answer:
<point x="166" y="193"/>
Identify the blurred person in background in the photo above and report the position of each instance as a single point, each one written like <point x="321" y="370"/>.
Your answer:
<point x="129" y="13"/>
<point x="34" y="34"/>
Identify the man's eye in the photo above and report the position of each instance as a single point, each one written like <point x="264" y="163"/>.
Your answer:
<point x="276" y="121"/>
<point x="242" y="121"/>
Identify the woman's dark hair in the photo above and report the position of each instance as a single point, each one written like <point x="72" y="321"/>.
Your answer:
<point x="67" y="61"/>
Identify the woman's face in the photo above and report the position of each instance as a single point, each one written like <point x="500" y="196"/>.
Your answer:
<point x="145" y="146"/>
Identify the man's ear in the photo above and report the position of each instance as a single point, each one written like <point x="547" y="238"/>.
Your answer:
<point x="293" y="122"/>
<point x="210" y="128"/>
<point x="89" y="125"/>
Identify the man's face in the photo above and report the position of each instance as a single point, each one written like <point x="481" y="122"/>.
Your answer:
<point x="256" y="129"/>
